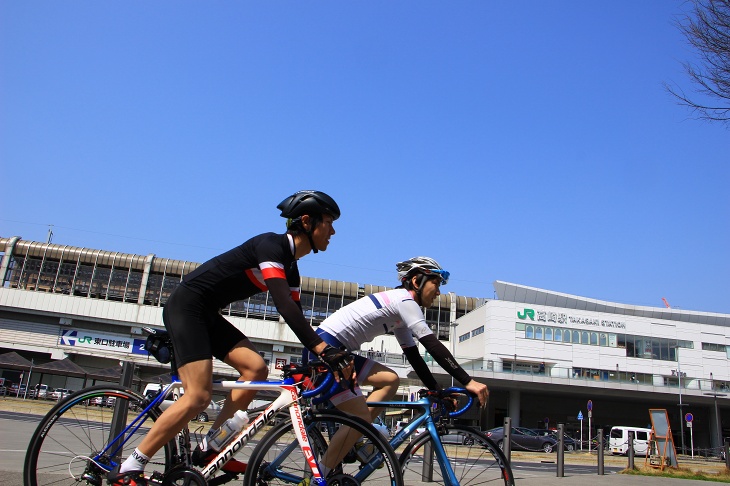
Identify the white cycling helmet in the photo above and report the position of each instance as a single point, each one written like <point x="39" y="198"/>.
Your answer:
<point x="423" y="265"/>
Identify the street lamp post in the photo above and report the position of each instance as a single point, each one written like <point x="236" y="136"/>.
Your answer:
<point x="681" y="412"/>
<point x="452" y="335"/>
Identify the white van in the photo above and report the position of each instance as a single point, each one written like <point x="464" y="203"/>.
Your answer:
<point x="210" y="413"/>
<point x="618" y="441"/>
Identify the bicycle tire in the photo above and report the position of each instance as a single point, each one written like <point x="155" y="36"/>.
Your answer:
<point x="278" y="459"/>
<point x="76" y="430"/>
<point x="475" y="459"/>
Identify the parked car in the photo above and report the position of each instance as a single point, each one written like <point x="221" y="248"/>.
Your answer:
<point x="41" y="389"/>
<point x="401" y="424"/>
<point x="102" y="401"/>
<point x="60" y="393"/>
<point x="211" y="412"/>
<point x="569" y="443"/>
<point x="619" y="439"/>
<point x="458" y="439"/>
<point x="5" y="387"/>
<point x="17" y="390"/>
<point x="523" y="439"/>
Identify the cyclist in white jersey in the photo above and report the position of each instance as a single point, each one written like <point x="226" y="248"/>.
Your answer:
<point x="398" y="311"/>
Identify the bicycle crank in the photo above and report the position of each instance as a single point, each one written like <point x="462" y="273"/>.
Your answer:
<point x="342" y="480"/>
<point x="183" y="477"/>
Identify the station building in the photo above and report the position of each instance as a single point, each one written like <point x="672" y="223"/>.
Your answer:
<point x="548" y="354"/>
<point x="547" y="357"/>
<point x="81" y="311"/>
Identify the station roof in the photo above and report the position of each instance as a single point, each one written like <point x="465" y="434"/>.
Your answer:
<point x="530" y="295"/>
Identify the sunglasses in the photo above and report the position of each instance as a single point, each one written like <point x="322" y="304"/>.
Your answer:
<point x="443" y="274"/>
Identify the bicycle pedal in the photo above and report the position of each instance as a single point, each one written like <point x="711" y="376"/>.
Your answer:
<point x="156" y="478"/>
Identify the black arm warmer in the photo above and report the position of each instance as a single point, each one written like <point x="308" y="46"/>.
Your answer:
<point x="420" y="367"/>
<point x="443" y="357"/>
<point x="291" y="311"/>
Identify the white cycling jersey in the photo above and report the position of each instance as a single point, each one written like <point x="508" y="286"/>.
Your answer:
<point x="365" y="319"/>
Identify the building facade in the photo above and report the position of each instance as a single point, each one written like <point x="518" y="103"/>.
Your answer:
<point x="544" y="355"/>
<point x="550" y="353"/>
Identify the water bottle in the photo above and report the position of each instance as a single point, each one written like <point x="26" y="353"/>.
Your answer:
<point x="228" y="430"/>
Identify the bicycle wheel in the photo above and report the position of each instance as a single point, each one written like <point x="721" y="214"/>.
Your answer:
<point x="72" y="442"/>
<point x="278" y="459"/>
<point x="474" y="458"/>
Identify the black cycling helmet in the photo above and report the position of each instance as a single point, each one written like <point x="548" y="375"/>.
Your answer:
<point x="308" y="202"/>
<point x="312" y="203"/>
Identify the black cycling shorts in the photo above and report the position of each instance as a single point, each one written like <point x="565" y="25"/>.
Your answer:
<point x="197" y="329"/>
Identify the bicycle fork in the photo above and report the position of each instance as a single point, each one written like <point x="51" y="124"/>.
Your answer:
<point x="434" y="447"/>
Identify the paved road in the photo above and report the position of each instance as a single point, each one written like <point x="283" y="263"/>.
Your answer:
<point x="16" y="429"/>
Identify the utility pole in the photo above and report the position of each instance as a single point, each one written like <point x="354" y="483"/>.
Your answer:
<point x="681" y="411"/>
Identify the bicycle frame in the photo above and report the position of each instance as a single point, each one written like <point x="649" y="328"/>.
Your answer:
<point x="426" y="420"/>
<point x="288" y="397"/>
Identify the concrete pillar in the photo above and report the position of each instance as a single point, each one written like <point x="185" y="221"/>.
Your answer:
<point x="714" y="421"/>
<point x="145" y="278"/>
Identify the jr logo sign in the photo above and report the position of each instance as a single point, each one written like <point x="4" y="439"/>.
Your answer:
<point x="526" y="313"/>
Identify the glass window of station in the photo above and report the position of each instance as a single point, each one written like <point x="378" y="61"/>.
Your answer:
<point x="646" y="347"/>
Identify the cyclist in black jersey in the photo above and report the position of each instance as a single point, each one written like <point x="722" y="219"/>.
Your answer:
<point x="199" y="332"/>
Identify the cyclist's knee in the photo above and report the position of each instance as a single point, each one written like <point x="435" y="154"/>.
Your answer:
<point x="249" y="364"/>
<point x="261" y="371"/>
<point x="255" y="371"/>
<point x="198" y="401"/>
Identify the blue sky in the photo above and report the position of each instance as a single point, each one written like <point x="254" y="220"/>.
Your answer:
<point x="530" y="142"/>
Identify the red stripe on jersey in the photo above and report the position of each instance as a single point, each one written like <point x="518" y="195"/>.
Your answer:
<point x="295" y="294"/>
<point x="272" y="270"/>
<point x="254" y="275"/>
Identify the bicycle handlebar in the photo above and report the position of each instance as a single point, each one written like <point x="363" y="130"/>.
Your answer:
<point x="446" y="392"/>
<point x="321" y="388"/>
<point x="316" y="365"/>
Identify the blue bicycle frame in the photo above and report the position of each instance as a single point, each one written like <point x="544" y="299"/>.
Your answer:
<point x="426" y="420"/>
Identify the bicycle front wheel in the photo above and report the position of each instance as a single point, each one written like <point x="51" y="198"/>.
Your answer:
<point x="474" y="458"/>
<point x="75" y="443"/>
<point x="278" y="459"/>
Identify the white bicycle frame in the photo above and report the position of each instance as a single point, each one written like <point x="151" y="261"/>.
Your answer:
<point x="288" y="397"/>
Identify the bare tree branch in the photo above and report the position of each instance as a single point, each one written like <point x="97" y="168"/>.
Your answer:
<point x="707" y="29"/>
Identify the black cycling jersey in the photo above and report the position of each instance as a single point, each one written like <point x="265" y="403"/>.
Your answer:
<point x="265" y="262"/>
<point x="241" y="272"/>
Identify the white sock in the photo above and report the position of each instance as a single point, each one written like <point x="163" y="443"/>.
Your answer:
<point x="135" y="462"/>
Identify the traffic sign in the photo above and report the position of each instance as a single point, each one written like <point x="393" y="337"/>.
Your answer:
<point x="688" y="417"/>
<point x="590" y="405"/>
<point x="580" y="415"/>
